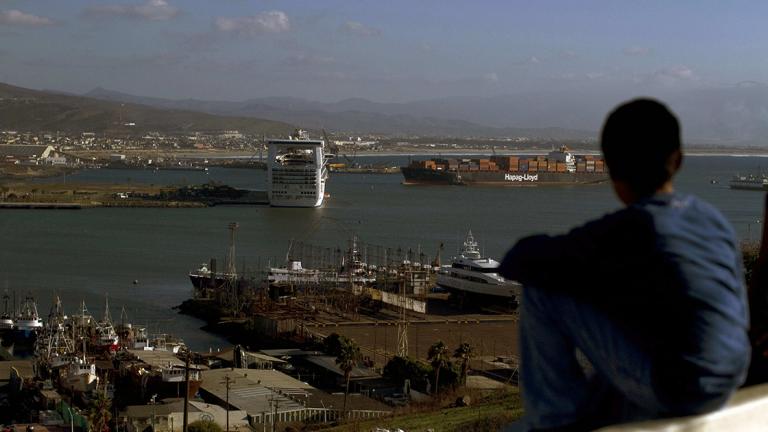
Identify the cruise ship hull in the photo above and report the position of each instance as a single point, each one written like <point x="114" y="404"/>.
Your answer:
<point x="279" y="202"/>
<point x="416" y="175"/>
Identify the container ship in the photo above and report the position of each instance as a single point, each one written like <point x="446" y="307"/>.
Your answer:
<point x="558" y="167"/>
<point x="749" y="182"/>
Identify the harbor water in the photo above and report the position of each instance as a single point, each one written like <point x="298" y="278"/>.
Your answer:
<point x="81" y="255"/>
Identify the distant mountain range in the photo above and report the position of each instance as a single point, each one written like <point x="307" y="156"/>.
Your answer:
<point x="356" y="116"/>
<point x="735" y="114"/>
<point x="33" y="110"/>
<point x="727" y="115"/>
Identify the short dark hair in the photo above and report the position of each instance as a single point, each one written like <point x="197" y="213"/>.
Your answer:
<point x="638" y="139"/>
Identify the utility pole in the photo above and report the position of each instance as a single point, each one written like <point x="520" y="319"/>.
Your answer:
<point x="227" y="382"/>
<point x="274" y="401"/>
<point x="186" y="392"/>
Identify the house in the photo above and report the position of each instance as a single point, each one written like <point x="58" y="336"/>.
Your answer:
<point x="168" y="416"/>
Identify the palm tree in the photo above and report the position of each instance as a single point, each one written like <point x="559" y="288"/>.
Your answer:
<point x="438" y="358"/>
<point x="99" y="413"/>
<point x="464" y="353"/>
<point x="349" y="354"/>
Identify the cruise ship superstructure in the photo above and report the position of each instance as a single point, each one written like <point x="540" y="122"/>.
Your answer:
<point x="296" y="172"/>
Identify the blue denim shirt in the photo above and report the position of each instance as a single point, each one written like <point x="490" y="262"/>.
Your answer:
<point x="668" y="270"/>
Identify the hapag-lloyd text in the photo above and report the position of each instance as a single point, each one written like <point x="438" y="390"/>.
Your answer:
<point x="521" y="177"/>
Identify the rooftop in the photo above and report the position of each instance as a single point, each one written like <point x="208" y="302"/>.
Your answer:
<point x="254" y="390"/>
<point x="157" y="359"/>
<point x="329" y="363"/>
<point x="214" y="380"/>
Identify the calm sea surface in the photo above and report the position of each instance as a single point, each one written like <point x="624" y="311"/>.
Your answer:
<point x="81" y="255"/>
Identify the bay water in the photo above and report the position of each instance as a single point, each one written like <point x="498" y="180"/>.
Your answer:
<point x="85" y="254"/>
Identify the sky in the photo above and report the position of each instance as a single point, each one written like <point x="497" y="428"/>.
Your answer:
<point x="386" y="51"/>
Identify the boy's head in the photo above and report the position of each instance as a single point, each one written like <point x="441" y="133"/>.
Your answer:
<point x="641" y="146"/>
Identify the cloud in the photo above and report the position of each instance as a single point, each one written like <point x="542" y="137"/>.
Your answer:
<point x="304" y="60"/>
<point x="359" y="29"/>
<point x="151" y="10"/>
<point x="491" y="77"/>
<point x="675" y="73"/>
<point x="669" y="76"/>
<point x="264" y="22"/>
<point x="19" y="18"/>
<point x="534" y="60"/>
<point x="637" y="51"/>
<point x="569" y="54"/>
<point x="594" y="75"/>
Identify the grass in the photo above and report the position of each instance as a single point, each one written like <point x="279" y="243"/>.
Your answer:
<point x="489" y="414"/>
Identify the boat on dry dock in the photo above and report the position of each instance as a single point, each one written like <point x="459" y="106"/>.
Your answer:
<point x="104" y="335"/>
<point x="158" y="372"/>
<point x="6" y="318"/>
<point x="55" y="345"/>
<point x="471" y="274"/>
<point x="27" y="325"/>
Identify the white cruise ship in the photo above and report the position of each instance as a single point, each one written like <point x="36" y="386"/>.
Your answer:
<point x="470" y="274"/>
<point x="296" y="172"/>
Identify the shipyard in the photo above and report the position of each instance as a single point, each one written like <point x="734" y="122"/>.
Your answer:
<point x="385" y="298"/>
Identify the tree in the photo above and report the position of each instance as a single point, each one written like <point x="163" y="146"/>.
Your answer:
<point x="464" y="353"/>
<point x="349" y="355"/>
<point x="203" y="426"/>
<point x="99" y="412"/>
<point x="438" y="358"/>
<point x="331" y="344"/>
<point x="398" y="369"/>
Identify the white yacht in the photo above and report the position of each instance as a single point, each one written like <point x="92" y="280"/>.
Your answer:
<point x="471" y="274"/>
<point x="296" y="171"/>
<point x="292" y="273"/>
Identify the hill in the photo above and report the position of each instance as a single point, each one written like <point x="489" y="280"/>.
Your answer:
<point x="33" y="110"/>
<point x="355" y="116"/>
<point x="723" y="115"/>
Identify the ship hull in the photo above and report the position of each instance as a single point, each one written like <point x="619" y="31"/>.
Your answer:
<point x="747" y="186"/>
<point x="200" y="282"/>
<point x="505" y="292"/>
<point x="416" y="175"/>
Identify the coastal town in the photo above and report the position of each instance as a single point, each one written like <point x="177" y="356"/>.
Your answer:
<point x="344" y="340"/>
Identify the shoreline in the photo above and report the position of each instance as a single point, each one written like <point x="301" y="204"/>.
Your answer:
<point x="469" y="151"/>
